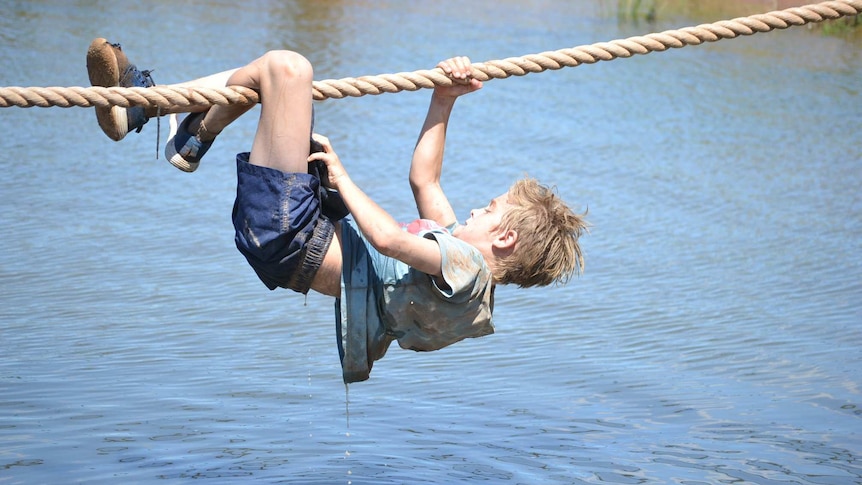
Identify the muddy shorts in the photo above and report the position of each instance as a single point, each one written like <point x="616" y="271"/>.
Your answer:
<point x="279" y="226"/>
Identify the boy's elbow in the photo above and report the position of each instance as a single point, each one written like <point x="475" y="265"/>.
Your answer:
<point x="421" y="186"/>
<point x="386" y="241"/>
<point x="417" y="184"/>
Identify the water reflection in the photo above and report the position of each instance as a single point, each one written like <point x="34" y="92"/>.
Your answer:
<point x="713" y="338"/>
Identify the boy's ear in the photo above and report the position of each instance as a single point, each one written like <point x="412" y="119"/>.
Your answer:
<point x="506" y="239"/>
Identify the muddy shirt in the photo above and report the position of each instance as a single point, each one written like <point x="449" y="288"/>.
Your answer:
<point x="383" y="299"/>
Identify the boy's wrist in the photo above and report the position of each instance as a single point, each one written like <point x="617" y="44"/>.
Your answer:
<point x="340" y="181"/>
<point x="443" y="99"/>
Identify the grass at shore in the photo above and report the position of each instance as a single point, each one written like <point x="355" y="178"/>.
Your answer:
<point x="714" y="10"/>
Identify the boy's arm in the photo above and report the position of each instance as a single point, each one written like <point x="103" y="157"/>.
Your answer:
<point x="427" y="165"/>
<point x="381" y="230"/>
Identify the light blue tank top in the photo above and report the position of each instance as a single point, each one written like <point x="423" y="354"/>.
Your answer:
<point x="383" y="299"/>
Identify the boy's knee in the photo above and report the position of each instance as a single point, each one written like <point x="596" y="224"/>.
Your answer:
<point x="288" y="64"/>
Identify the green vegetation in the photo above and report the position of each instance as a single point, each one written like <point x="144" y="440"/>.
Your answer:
<point x="650" y="11"/>
<point x="635" y="10"/>
<point x="843" y="26"/>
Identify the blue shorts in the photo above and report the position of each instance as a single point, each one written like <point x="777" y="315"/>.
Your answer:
<point x="279" y="226"/>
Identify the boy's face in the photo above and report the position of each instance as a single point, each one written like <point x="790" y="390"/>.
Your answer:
<point x="484" y="224"/>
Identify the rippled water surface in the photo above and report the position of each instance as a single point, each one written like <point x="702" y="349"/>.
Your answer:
<point x="714" y="338"/>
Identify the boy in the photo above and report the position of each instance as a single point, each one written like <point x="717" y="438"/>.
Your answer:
<point x="427" y="284"/>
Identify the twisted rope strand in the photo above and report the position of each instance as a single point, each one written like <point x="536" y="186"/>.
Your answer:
<point x="171" y="99"/>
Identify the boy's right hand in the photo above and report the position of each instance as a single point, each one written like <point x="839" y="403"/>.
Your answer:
<point x="334" y="168"/>
<point x="460" y="70"/>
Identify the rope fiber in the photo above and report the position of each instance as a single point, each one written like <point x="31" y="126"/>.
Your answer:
<point x="174" y="100"/>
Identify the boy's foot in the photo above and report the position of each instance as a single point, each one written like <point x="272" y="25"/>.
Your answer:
<point x="184" y="149"/>
<point x="107" y="67"/>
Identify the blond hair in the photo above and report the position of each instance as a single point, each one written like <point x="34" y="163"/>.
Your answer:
<point x="547" y="249"/>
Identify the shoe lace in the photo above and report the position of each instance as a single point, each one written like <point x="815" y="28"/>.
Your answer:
<point x="148" y="79"/>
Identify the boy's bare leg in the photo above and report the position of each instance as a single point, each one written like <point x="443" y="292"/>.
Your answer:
<point x="217" y="80"/>
<point x="215" y="126"/>
<point x="283" y="81"/>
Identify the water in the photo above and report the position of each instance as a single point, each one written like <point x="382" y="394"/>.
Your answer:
<point x="714" y="338"/>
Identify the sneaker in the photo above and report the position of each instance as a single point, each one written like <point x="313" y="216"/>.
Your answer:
<point x="108" y="66"/>
<point x="185" y="150"/>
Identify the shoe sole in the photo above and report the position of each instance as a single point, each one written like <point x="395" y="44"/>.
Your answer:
<point x="105" y="64"/>
<point x="171" y="154"/>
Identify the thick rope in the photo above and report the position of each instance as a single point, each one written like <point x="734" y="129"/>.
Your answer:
<point x="183" y="99"/>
